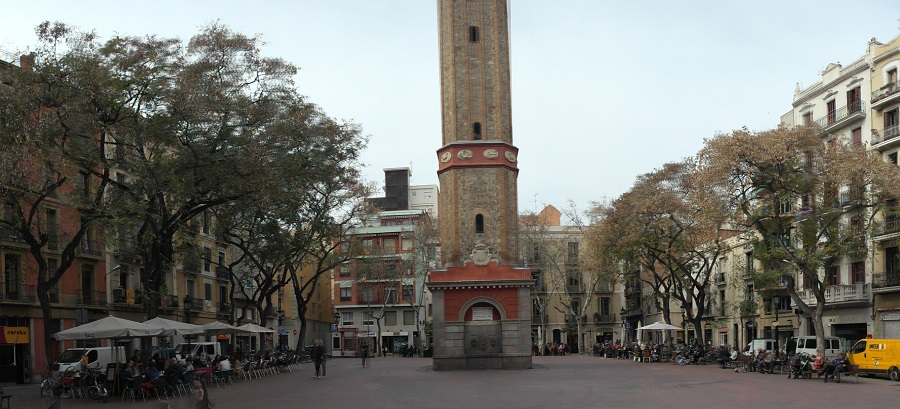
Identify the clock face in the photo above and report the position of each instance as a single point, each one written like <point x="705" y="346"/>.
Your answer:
<point x="446" y="156"/>
<point x="511" y="157"/>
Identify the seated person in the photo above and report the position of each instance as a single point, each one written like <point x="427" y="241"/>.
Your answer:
<point x="224" y="364"/>
<point x="198" y="363"/>
<point x="152" y="375"/>
<point x="818" y="364"/>
<point x="173" y="372"/>
<point x="834" y="368"/>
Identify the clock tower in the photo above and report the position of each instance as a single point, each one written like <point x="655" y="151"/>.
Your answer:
<point x="481" y="303"/>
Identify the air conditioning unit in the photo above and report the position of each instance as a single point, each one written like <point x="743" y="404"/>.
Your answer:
<point x="119" y="295"/>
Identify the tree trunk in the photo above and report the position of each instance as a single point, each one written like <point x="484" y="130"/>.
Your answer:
<point x="580" y="338"/>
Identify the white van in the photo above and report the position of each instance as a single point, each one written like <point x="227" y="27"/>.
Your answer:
<point x="833" y="346"/>
<point x="98" y="357"/>
<point x="209" y="349"/>
<point x="766" y="344"/>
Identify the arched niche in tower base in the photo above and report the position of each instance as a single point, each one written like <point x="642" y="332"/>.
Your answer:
<point x="482" y="332"/>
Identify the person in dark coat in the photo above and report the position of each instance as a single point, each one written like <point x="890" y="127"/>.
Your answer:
<point x="318" y="357"/>
<point x="791" y="347"/>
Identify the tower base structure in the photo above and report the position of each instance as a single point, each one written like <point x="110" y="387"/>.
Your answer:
<point x="481" y="317"/>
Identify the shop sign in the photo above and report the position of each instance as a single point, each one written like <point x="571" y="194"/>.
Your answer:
<point x="14" y="335"/>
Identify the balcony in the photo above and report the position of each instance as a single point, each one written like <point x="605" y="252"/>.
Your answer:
<point x="604" y="318"/>
<point x="885" y="280"/>
<point x="841" y="116"/>
<point x="719" y="278"/>
<point x="193" y="304"/>
<point x="885" y="95"/>
<point x="19" y="293"/>
<point x="90" y="248"/>
<point x="10" y="236"/>
<point x="574" y="289"/>
<point x="222" y="273"/>
<point x="91" y="297"/>
<point x="224" y="309"/>
<point x="169" y="303"/>
<point x="890" y="227"/>
<point x="572" y="319"/>
<point x="538" y="319"/>
<point x="855" y="294"/>
<point x="886" y="138"/>
<point x="604" y="288"/>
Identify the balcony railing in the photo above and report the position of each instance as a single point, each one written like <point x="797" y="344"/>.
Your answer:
<point x="885" y="134"/>
<point x="11" y="236"/>
<point x="720" y="278"/>
<point x="224" y="309"/>
<point x="604" y="287"/>
<point x="574" y="288"/>
<point x="193" y="304"/>
<point x="840" y="293"/>
<point x="890" y="89"/>
<point x="890" y="226"/>
<point x="888" y="279"/>
<point x="604" y="318"/>
<point x="842" y="113"/>
<point x="538" y="320"/>
<point x="222" y="273"/>
<point x="90" y="297"/>
<point x="91" y="248"/>
<point x="17" y="293"/>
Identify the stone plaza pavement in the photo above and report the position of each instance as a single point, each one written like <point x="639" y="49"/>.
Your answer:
<point x="555" y="382"/>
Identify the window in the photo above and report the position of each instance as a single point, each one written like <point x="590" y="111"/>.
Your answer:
<point x="206" y="221"/>
<point x="854" y="102"/>
<point x="784" y="206"/>
<point x="347" y="318"/>
<point x="223" y="295"/>
<point x="406" y="244"/>
<point x="189" y="288"/>
<point x="858" y="272"/>
<point x="221" y="260"/>
<point x="604" y="305"/>
<point x="344" y="270"/>
<point x="207" y="259"/>
<point x="207" y="291"/>
<point x="892" y="76"/>
<point x="573" y="252"/>
<point x="807" y="118"/>
<point x="479" y="223"/>
<point x="52" y="229"/>
<point x="11" y="268"/>
<point x="390" y="244"/>
<point x="368" y="319"/>
<point x="892" y="159"/>
<point x="890" y="123"/>
<point x="84" y="184"/>
<point x="476" y="131"/>
<point x="390" y="295"/>
<point x="830" y="107"/>
<point x="346" y="294"/>
<point x="409" y="318"/>
<point x="833" y="275"/>
<point x="390" y="318"/>
<point x="856" y="137"/>
<point x="367" y="295"/>
<point x="473" y="34"/>
<point x="407" y="293"/>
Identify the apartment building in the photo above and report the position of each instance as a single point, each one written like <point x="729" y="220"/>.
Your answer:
<point x="565" y="291"/>
<point x="885" y="257"/>
<point x="380" y="296"/>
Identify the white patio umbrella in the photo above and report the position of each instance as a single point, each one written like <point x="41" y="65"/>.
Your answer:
<point x="175" y="327"/>
<point x="109" y="328"/>
<point x="659" y="326"/>
<point x="255" y="328"/>
<point x="219" y="328"/>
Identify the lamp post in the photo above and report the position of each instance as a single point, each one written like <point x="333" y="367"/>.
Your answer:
<point x="624" y="335"/>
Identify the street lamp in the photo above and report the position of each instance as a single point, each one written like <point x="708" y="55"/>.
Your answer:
<point x="622" y="314"/>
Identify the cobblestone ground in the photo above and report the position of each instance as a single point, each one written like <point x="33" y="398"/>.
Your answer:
<point x="555" y="382"/>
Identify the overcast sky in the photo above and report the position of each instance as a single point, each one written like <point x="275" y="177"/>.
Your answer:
<point x="602" y="91"/>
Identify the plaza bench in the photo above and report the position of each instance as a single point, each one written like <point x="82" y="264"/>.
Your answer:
<point x="852" y="370"/>
<point x="5" y="397"/>
<point x="743" y="362"/>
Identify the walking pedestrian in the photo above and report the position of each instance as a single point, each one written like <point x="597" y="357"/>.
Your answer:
<point x="318" y="356"/>
<point x="364" y="353"/>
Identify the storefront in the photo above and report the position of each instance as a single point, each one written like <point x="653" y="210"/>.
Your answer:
<point x="14" y="354"/>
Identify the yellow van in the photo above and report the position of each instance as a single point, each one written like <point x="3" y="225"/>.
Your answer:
<point x="877" y="357"/>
